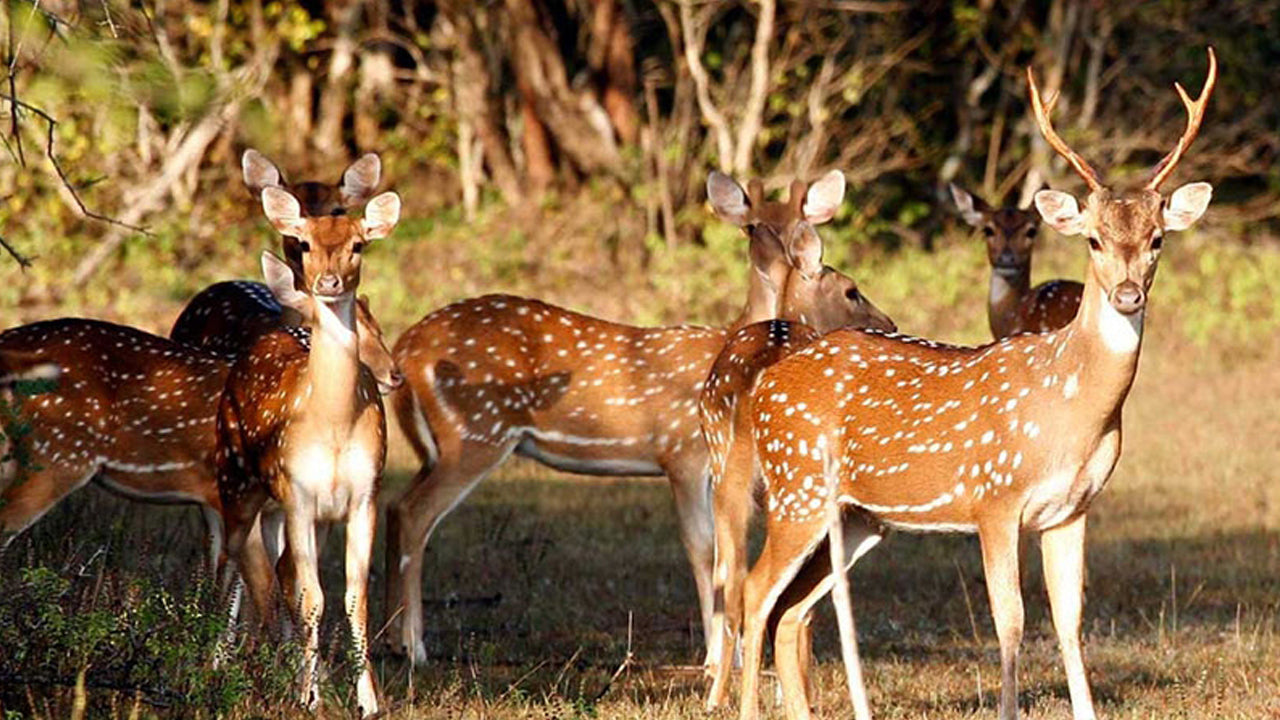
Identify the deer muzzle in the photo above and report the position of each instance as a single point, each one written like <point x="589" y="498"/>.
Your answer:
<point x="327" y="285"/>
<point x="1128" y="297"/>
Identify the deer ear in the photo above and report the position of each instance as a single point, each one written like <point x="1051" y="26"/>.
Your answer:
<point x="806" y="253"/>
<point x="1061" y="211"/>
<point x="279" y="279"/>
<point x="283" y="210"/>
<point x="727" y="198"/>
<point x="360" y="180"/>
<point x="259" y="172"/>
<point x="1186" y="205"/>
<point x="381" y="215"/>
<point x="970" y="207"/>
<point x="824" y="198"/>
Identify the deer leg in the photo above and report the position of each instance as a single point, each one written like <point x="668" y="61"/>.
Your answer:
<point x="214" y="532"/>
<point x="693" y="509"/>
<point x="308" y="600"/>
<point x="793" y="641"/>
<point x="459" y="467"/>
<point x="258" y="575"/>
<point x="1063" y="550"/>
<point x="28" y="498"/>
<point x="731" y="500"/>
<point x="999" y="540"/>
<point x="786" y="549"/>
<point x="361" y="522"/>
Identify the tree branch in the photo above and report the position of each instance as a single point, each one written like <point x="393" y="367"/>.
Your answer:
<point x="749" y="127"/>
<point x="50" y="124"/>
<point x="710" y="113"/>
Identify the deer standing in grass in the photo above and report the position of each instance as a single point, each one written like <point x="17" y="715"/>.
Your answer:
<point x="303" y="428"/>
<point x="497" y="375"/>
<point x="1019" y="435"/>
<point x="1013" y="306"/>
<point x="130" y="410"/>
<point x="724" y="408"/>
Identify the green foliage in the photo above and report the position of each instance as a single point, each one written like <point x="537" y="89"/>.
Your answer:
<point x="133" y="633"/>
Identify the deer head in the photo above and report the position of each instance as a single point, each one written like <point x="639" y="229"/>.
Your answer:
<point x="786" y="250"/>
<point x="330" y="247"/>
<point x="317" y="199"/>
<point x="823" y="297"/>
<point x="1125" y="229"/>
<point x="1010" y="233"/>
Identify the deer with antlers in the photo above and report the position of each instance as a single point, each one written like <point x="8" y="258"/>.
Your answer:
<point x="1013" y="306"/>
<point x="496" y="375"/>
<point x="1019" y="435"/>
<point x="302" y="428"/>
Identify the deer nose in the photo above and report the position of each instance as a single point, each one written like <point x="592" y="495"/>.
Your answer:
<point x="328" y="284"/>
<point x="1128" y="297"/>
<point x="395" y="379"/>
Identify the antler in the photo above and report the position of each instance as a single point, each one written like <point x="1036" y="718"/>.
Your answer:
<point x="1042" y="110"/>
<point x="1195" y="113"/>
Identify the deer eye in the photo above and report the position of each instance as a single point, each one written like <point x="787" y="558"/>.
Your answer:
<point x="1157" y="242"/>
<point x="357" y="247"/>
<point x="304" y="246"/>
<point x="1094" y="244"/>
<point x="851" y="293"/>
<point x="1032" y="233"/>
<point x="989" y="232"/>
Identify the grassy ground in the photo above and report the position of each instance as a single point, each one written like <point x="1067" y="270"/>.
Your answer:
<point x="541" y="586"/>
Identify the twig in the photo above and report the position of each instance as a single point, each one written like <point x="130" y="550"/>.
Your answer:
<point x="23" y="261"/>
<point x="622" y="667"/>
<point x="968" y="604"/>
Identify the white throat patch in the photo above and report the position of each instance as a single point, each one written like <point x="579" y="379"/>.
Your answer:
<point x="1121" y="333"/>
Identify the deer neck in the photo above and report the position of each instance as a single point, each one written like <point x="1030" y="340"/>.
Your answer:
<point x="333" y="366"/>
<point x="1008" y="287"/>
<point x="763" y="299"/>
<point x="1102" y="352"/>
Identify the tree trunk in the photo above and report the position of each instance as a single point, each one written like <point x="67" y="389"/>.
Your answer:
<point x="612" y="59"/>
<point x="474" y="97"/>
<point x="575" y="121"/>
<point x="334" y="99"/>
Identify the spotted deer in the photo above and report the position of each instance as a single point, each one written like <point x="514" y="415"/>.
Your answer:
<point x="302" y="428"/>
<point x="724" y="409"/>
<point x="1013" y="306"/>
<point x="131" y="411"/>
<point x="496" y="375"/>
<point x="1018" y="435"/>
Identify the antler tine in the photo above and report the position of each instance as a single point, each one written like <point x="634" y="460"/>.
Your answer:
<point x="1195" y="113"/>
<point x="1042" y="110"/>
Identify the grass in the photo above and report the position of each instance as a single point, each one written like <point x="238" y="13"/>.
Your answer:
<point x="552" y="596"/>
<point x="541" y="586"/>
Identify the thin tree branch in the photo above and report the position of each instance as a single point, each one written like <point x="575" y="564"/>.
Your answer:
<point x="751" y="121"/>
<point x="23" y="261"/>
<point x="50" y="124"/>
<point x="693" y="39"/>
